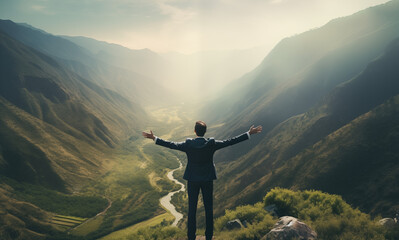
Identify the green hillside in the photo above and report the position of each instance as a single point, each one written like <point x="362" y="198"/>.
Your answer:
<point x="42" y="87"/>
<point x="41" y="100"/>
<point x="359" y="161"/>
<point x="67" y="144"/>
<point x="300" y="152"/>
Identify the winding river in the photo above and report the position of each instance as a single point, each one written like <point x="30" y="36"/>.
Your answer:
<point x="165" y="201"/>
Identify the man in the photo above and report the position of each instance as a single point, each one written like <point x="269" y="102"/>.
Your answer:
<point x="200" y="171"/>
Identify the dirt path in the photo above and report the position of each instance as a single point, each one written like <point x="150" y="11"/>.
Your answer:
<point x="106" y="209"/>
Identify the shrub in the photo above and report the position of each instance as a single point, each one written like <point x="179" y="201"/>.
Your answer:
<point x="258" y="220"/>
<point x="157" y="233"/>
<point x="247" y="213"/>
<point x="329" y="215"/>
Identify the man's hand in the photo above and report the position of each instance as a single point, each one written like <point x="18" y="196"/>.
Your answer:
<point x="255" y="130"/>
<point x="149" y="135"/>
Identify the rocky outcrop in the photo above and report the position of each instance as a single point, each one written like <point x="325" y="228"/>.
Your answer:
<point x="387" y="222"/>
<point x="288" y="228"/>
<point x="234" y="224"/>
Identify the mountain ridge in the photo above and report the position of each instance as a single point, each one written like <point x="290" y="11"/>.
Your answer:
<point x="263" y="97"/>
<point x="81" y="61"/>
<point x="295" y="137"/>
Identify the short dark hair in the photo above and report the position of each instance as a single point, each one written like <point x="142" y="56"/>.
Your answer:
<point x="200" y="128"/>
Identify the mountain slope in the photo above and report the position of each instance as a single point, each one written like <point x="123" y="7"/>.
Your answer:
<point x="40" y="100"/>
<point x="301" y="69"/>
<point x="17" y="224"/>
<point x="129" y="84"/>
<point x="142" y="61"/>
<point x="334" y="147"/>
<point x="298" y="73"/>
<point x="358" y="161"/>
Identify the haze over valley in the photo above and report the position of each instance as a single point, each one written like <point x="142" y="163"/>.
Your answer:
<point x="73" y="163"/>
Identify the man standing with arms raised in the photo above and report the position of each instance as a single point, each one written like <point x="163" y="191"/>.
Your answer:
<point x="200" y="171"/>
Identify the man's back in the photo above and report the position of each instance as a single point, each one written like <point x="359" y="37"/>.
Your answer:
<point x="200" y="166"/>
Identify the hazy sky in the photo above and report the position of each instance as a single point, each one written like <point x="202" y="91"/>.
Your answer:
<point x="180" y="25"/>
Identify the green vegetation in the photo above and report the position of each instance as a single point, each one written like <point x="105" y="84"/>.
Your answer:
<point x="258" y="221"/>
<point x="292" y="84"/>
<point x="87" y="227"/>
<point x="53" y="201"/>
<point x="66" y="222"/>
<point x="135" y="182"/>
<point x="163" y="220"/>
<point x="158" y="233"/>
<point x="329" y="215"/>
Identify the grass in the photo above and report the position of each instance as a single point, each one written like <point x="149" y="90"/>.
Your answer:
<point x="71" y="218"/>
<point x="62" y="223"/>
<point x="65" y="223"/>
<point x="123" y="233"/>
<point x="82" y="206"/>
<point x="67" y="220"/>
<point x="88" y="227"/>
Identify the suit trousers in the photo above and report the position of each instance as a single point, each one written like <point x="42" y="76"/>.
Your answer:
<point x="193" y="188"/>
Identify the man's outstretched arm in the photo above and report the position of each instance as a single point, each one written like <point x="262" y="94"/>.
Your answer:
<point x="172" y="145"/>
<point x="225" y="143"/>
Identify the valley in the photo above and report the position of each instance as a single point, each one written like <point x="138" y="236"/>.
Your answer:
<point x="138" y="178"/>
<point x="135" y="178"/>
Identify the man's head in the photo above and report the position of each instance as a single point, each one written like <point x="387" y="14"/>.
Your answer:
<point x="200" y="128"/>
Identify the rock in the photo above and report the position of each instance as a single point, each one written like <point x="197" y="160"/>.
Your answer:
<point x="234" y="224"/>
<point x="387" y="222"/>
<point x="288" y="228"/>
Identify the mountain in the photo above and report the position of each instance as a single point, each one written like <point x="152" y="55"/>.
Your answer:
<point x="56" y="124"/>
<point x="346" y="144"/>
<point x="301" y="69"/>
<point x="175" y="71"/>
<point x="142" y="61"/>
<point x="59" y="133"/>
<point x="298" y="73"/>
<point x="129" y="84"/>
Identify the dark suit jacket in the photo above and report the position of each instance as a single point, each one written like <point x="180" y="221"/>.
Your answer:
<point x="200" y="166"/>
